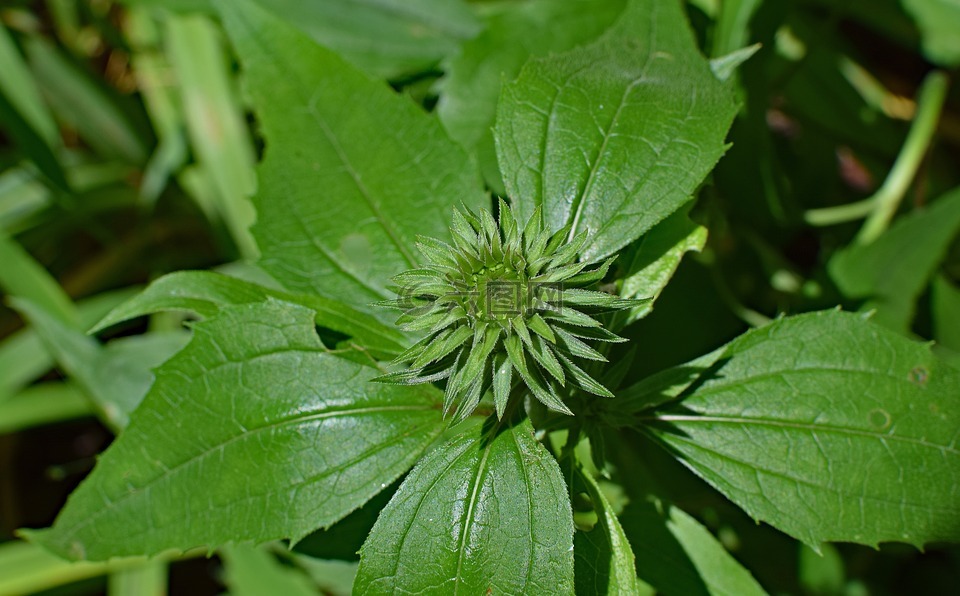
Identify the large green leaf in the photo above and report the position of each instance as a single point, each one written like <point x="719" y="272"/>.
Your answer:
<point x="678" y="556"/>
<point x="614" y="137"/>
<point x="892" y="272"/>
<point x="604" y="561"/>
<point x="515" y="32"/>
<point x="352" y="172"/>
<point x="206" y="292"/>
<point x="487" y="512"/>
<point x="830" y="428"/>
<point x="253" y="432"/>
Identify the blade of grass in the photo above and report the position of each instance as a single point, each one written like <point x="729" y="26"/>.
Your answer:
<point x="78" y="99"/>
<point x="215" y="121"/>
<point x="18" y="85"/>
<point x="157" y="86"/>
<point x="21" y="275"/>
<point x="43" y="404"/>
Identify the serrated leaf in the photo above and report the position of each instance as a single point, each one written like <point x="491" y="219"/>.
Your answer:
<point x="206" y="292"/>
<point x="655" y="258"/>
<point x="892" y="272"/>
<point x="614" y="137"/>
<point x="338" y="215"/>
<point x="514" y="32"/>
<point x="677" y="555"/>
<point x="828" y="427"/>
<point x="487" y="512"/>
<point x="253" y="432"/>
<point x="603" y="556"/>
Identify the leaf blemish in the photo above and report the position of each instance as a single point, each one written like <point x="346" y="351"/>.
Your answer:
<point x="919" y="375"/>
<point x="880" y="418"/>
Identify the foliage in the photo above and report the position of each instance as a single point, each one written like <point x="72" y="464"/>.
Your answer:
<point x="704" y="334"/>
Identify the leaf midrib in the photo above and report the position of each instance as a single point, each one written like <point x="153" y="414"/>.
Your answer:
<point x="802" y="426"/>
<point x="783" y="475"/>
<point x="111" y="505"/>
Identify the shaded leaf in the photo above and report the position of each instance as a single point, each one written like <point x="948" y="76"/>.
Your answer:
<point x="678" y="556"/>
<point x="892" y="272"/>
<point x="653" y="261"/>
<point x="604" y="561"/>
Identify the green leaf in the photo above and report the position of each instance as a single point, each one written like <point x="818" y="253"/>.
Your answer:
<point x="23" y="357"/>
<point x="205" y="293"/>
<point x="677" y="555"/>
<point x="253" y="432"/>
<point x="655" y="258"/>
<point x="893" y="271"/>
<point x="115" y="376"/>
<point x="939" y="21"/>
<point x="514" y="32"/>
<point x="252" y="571"/>
<point x="344" y="190"/>
<point x="219" y="134"/>
<point x="487" y="512"/>
<point x="828" y="427"/>
<point x="614" y="137"/>
<point x="604" y="561"/>
<point x="21" y="90"/>
<point x="387" y="38"/>
<point x="28" y="140"/>
<point x="23" y="276"/>
<point x="333" y="577"/>
<point x="42" y="404"/>
<point x="823" y="572"/>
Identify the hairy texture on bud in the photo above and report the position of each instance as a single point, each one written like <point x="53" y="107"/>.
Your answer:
<point x="503" y="305"/>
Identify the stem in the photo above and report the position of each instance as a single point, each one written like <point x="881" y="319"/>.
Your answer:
<point x="880" y="208"/>
<point x="828" y="216"/>
<point x="933" y="92"/>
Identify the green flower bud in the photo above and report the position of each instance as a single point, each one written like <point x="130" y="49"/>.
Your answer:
<point x="501" y="306"/>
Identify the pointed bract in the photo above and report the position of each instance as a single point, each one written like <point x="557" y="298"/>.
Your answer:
<point x="501" y="299"/>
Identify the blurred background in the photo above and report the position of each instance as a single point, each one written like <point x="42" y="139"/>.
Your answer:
<point x="127" y="150"/>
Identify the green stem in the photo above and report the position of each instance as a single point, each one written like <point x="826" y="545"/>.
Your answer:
<point x="933" y="92"/>
<point x="828" y="216"/>
<point x="880" y="208"/>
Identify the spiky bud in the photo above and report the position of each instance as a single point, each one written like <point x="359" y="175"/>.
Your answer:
<point x="502" y="301"/>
